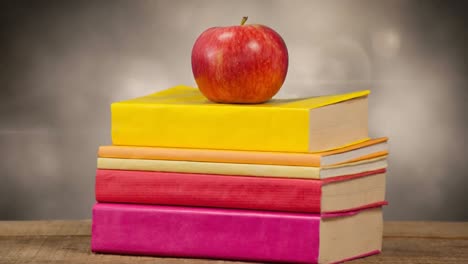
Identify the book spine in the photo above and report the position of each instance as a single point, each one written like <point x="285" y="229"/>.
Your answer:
<point x="211" y="155"/>
<point x="256" y="170"/>
<point x="170" y="188"/>
<point x="206" y="127"/>
<point x="205" y="233"/>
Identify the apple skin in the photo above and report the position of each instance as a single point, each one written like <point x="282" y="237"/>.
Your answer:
<point x="239" y="64"/>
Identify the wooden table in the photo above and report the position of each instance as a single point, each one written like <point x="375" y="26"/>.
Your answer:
<point x="69" y="242"/>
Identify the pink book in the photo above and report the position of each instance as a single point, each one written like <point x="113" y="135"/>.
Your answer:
<point x="233" y="234"/>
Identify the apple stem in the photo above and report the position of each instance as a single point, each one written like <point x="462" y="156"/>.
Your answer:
<point x="244" y="19"/>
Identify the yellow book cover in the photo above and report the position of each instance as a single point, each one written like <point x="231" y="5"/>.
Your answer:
<point x="254" y="170"/>
<point x="181" y="117"/>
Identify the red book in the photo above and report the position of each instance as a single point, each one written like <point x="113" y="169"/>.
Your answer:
<point x="344" y="193"/>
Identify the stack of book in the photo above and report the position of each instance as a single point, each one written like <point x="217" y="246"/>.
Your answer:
<point x="284" y="181"/>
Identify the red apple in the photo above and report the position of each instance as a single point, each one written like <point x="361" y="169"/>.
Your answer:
<point x="239" y="64"/>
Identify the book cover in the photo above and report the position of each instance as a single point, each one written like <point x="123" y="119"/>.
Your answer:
<point x="255" y="170"/>
<point x="182" y="117"/>
<point x="235" y="234"/>
<point x="368" y="149"/>
<point x="346" y="193"/>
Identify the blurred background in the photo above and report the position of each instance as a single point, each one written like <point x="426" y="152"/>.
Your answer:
<point x="63" y="62"/>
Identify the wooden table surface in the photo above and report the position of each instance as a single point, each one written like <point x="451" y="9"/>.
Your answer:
<point x="69" y="242"/>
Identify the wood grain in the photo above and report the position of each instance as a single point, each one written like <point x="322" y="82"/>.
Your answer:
<point x="69" y="242"/>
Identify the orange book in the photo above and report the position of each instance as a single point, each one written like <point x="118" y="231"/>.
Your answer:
<point x="369" y="149"/>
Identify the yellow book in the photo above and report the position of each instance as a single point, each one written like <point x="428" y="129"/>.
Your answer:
<point x="181" y="117"/>
<point x="255" y="170"/>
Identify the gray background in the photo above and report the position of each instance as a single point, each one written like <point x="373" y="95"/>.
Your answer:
<point x="62" y="63"/>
